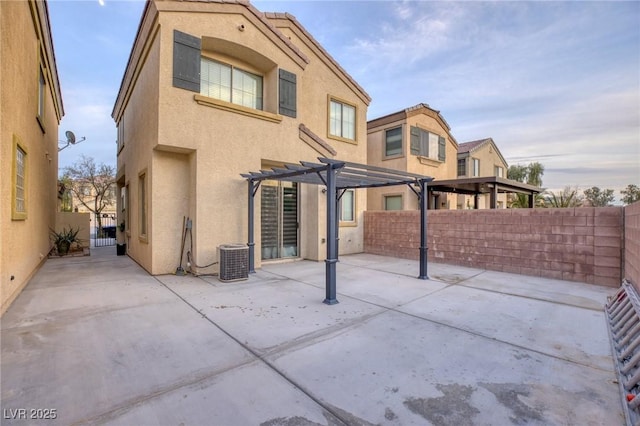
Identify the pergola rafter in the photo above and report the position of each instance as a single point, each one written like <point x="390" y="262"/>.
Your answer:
<point x="338" y="176"/>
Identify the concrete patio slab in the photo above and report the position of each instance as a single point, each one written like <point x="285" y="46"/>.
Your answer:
<point x="397" y="369"/>
<point x="102" y="342"/>
<point x="557" y="291"/>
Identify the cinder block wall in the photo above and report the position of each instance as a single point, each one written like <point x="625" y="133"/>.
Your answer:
<point x="578" y="244"/>
<point x="632" y="244"/>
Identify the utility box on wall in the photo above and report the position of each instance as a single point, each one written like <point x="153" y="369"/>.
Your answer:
<point x="234" y="262"/>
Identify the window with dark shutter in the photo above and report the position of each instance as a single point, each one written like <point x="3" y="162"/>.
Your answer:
<point x="287" y="93"/>
<point x="415" y="140"/>
<point x="442" y="149"/>
<point x="186" y="61"/>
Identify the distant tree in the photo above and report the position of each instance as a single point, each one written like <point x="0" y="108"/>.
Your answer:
<point x="599" y="197"/>
<point x="530" y="174"/>
<point x="92" y="185"/>
<point x="64" y="194"/>
<point x="630" y="194"/>
<point x="517" y="172"/>
<point x="568" y="197"/>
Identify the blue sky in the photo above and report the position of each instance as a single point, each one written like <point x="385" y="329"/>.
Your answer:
<point x="554" y="82"/>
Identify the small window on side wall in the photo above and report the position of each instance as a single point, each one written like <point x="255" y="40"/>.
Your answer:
<point x="342" y="120"/>
<point x="348" y="206"/>
<point x="393" y="202"/>
<point x="19" y="177"/>
<point x="142" y="205"/>
<point x="393" y="142"/>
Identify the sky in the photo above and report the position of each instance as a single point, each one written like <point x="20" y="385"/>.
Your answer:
<point x="553" y="82"/>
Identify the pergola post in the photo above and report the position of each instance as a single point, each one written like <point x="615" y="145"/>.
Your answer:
<point x="494" y="197"/>
<point x="251" y="243"/>
<point x="532" y="202"/>
<point x="332" y="241"/>
<point x="423" y="230"/>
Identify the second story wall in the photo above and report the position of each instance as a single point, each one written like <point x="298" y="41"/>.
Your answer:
<point x="415" y="140"/>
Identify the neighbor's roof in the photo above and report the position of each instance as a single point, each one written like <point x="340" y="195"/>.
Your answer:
<point x="407" y="112"/>
<point x="469" y="147"/>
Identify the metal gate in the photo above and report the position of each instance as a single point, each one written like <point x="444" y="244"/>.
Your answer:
<point x="103" y="230"/>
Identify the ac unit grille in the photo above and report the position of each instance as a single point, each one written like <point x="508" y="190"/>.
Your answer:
<point x="234" y="262"/>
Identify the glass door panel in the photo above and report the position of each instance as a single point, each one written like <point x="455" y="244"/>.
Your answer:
<point x="279" y="215"/>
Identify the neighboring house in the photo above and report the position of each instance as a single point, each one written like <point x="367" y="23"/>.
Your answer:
<point x="415" y="140"/>
<point x="480" y="158"/>
<point x="30" y="112"/>
<point x="215" y="89"/>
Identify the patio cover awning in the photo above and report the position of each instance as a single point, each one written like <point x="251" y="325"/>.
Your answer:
<point x="338" y="176"/>
<point x="485" y="185"/>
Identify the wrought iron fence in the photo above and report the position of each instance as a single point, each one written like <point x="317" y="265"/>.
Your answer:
<point x="103" y="230"/>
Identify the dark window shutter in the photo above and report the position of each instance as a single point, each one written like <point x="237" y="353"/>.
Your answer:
<point x="415" y="140"/>
<point x="442" y="149"/>
<point x="287" y="93"/>
<point x="186" y="61"/>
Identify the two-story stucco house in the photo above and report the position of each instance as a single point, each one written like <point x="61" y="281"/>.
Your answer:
<point x="30" y="112"/>
<point x="481" y="158"/>
<point x="416" y="140"/>
<point x="215" y="89"/>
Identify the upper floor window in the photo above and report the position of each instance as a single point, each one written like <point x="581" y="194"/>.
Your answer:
<point x="499" y="171"/>
<point x="476" y="167"/>
<point x="347" y="206"/>
<point x="42" y="85"/>
<point x="342" y="120"/>
<point x="230" y="84"/>
<point x="19" y="187"/>
<point x="393" y="142"/>
<point x="427" y="144"/>
<point x="462" y="167"/>
<point x="120" y="140"/>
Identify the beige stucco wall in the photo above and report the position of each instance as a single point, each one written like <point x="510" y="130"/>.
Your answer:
<point x="24" y="244"/>
<point x="73" y="220"/>
<point x="426" y="120"/>
<point x="193" y="151"/>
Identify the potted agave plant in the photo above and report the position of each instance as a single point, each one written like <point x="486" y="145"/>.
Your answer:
<point x="62" y="240"/>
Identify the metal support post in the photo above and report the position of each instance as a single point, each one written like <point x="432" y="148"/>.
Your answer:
<point x="332" y="242"/>
<point x="251" y="243"/>
<point x="423" y="230"/>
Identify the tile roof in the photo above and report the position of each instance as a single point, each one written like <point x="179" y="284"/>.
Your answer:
<point x="472" y="145"/>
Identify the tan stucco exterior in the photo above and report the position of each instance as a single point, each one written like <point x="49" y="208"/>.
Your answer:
<point x="422" y="117"/>
<point x="73" y="220"/>
<point x="189" y="149"/>
<point x="487" y="153"/>
<point x="26" y="51"/>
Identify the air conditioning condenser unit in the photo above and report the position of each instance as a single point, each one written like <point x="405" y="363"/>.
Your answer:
<point x="234" y="262"/>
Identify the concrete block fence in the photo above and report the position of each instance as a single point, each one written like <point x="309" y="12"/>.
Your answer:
<point x="576" y="244"/>
<point x="632" y="244"/>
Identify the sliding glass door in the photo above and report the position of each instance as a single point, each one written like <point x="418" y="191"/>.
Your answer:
<point x="279" y="219"/>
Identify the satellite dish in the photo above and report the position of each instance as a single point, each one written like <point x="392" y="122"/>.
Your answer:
<point x="71" y="138"/>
